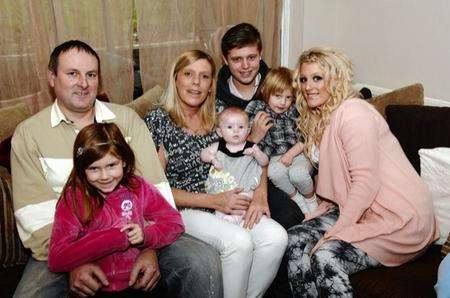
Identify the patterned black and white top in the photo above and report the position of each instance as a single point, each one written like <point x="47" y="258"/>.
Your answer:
<point x="184" y="168"/>
<point x="283" y="134"/>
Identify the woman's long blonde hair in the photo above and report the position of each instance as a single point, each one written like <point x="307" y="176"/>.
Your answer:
<point x="338" y="75"/>
<point x="170" y="99"/>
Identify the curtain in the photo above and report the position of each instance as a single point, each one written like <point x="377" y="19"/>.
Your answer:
<point x="29" y="30"/>
<point x="106" y="26"/>
<point x="22" y="68"/>
<point x="167" y="28"/>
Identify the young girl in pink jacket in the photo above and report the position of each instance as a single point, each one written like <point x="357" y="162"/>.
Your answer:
<point x="106" y="213"/>
<point x="376" y="211"/>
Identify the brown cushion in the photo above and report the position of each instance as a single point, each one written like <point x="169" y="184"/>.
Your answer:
<point x="10" y="117"/>
<point x="410" y="95"/>
<point x="146" y="101"/>
<point x="5" y="153"/>
<point x="12" y="252"/>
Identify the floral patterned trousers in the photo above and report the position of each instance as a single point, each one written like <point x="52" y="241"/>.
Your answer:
<point x="326" y="272"/>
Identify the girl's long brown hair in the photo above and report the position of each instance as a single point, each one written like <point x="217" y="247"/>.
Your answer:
<point x="93" y="143"/>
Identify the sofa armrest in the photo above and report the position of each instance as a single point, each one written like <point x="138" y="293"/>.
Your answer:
<point x="12" y="252"/>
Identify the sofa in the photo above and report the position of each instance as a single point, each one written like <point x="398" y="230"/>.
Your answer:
<point x="415" y="127"/>
<point x="411" y="124"/>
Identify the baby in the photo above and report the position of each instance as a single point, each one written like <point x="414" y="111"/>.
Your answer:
<point x="236" y="161"/>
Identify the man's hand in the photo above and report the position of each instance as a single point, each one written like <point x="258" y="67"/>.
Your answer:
<point x="87" y="279"/>
<point x="232" y="202"/>
<point x="261" y="124"/>
<point x="145" y="273"/>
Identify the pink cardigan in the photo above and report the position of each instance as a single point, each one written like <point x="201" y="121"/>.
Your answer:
<point x="385" y="208"/>
<point x="102" y="242"/>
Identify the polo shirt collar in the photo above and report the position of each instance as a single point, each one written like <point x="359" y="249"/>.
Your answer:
<point x="102" y="113"/>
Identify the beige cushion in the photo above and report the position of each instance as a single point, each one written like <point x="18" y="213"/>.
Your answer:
<point x="146" y="101"/>
<point x="10" y="117"/>
<point x="410" y="95"/>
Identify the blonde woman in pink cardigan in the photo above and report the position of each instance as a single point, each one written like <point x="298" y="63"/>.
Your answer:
<point x="375" y="209"/>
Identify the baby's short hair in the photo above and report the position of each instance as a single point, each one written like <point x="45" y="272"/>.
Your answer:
<point x="231" y="110"/>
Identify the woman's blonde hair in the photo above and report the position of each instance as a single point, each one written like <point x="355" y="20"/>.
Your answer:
<point x="170" y="99"/>
<point x="338" y="75"/>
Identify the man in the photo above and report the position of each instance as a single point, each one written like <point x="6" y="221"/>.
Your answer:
<point x="41" y="160"/>
<point x="237" y="84"/>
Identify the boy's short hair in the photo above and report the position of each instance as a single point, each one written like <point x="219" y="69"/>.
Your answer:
<point x="239" y="36"/>
<point x="277" y="80"/>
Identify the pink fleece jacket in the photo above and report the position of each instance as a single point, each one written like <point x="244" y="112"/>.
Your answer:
<point x="385" y="208"/>
<point x="102" y="242"/>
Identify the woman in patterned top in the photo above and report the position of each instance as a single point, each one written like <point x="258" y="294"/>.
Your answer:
<point x="182" y="126"/>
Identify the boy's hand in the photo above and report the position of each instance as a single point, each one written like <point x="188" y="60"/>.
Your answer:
<point x="261" y="124"/>
<point x="134" y="233"/>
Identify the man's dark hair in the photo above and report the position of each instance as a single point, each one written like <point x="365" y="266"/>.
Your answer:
<point x="239" y="36"/>
<point x="67" y="46"/>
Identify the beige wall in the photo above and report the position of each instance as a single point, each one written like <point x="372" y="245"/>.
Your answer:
<point x="392" y="42"/>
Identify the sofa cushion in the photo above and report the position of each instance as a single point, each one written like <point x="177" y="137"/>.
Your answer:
<point x="10" y="117"/>
<point x="146" y="101"/>
<point x="5" y="153"/>
<point x="12" y="252"/>
<point x="435" y="172"/>
<point x="409" y="95"/>
<point x="415" y="127"/>
<point x="419" y="127"/>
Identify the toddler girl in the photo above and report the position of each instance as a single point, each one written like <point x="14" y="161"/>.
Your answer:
<point x="236" y="161"/>
<point x="289" y="169"/>
<point x="107" y="214"/>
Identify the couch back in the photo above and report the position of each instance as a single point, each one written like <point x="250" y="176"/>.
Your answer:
<point x="419" y="127"/>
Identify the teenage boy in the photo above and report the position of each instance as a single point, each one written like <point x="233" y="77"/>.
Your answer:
<point x="237" y="84"/>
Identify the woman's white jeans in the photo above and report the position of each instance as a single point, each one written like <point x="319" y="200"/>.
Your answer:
<point x="250" y="258"/>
